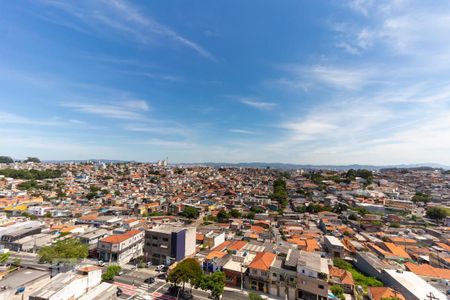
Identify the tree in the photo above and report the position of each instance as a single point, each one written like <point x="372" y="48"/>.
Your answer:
<point x="190" y="212"/>
<point x="111" y="272"/>
<point x="64" y="249"/>
<point x="223" y="216"/>
<point x="32" y="159"/>
<point x="215" y="283"/>
<point x="6" y="160"/>
<point x="235" y="213"/>
<point x="187" y="271"/>
<point x="421" y="197"/>
<point x="438" y="213"/>
<point x="338" y="291"/>
<point x="254" y="296"/>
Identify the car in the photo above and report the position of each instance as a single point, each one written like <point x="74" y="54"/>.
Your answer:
<point x="101" y="263"/>
<point x="120" y="273"/>
<point x="119" y="292"/>
<point x="150" y="280"/>
<point x="162" y="276"/>
<point x="149" y="264"/>
<point x="160" y="268"/>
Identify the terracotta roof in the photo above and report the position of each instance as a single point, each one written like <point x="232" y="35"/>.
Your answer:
<point x="262" y="261"/>
<point x="384" y="292"/>
<point x="214" y="254"/>
<point x="396" y="250"/>
<point x="118" y="238"/>
<point x="89" y="217"/>
<point x="222" y="246"/>
<point x="237" y="245"/>
<point x="345" y="277"/>
<point x="443" y="246"/>
<point x="428" y="271"/>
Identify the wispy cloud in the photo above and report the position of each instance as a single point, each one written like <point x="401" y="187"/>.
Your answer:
<point x="10" y="118"/>
<point x="256" y="103"/>
<point x="121" y="110"/>
<point x="121" y="17"/>
<point x="241" y="131"/>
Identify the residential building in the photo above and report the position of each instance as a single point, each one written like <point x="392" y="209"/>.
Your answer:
<point x="121" y="248"/>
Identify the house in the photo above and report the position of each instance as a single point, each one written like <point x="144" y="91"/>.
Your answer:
<point x="380" y="293"/>
<point x="334" y="246"/>
<point x="343" y="278"/>
<point x="258" y="275"/>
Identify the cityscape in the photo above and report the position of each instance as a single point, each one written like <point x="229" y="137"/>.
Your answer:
<point x="260" y="150"/>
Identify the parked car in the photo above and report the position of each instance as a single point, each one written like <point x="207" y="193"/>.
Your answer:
<point x="160" y="268"/>
<point x="150" y="280"/>
<point x="101" y="263"/>
<point x="162" y="276"/>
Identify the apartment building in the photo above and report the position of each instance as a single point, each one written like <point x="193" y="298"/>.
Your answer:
<point x="312" y="276"/>
<point x="121" y="248"/>
<point x="166" y="244"/>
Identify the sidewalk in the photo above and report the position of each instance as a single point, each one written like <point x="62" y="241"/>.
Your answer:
<point x="245" y="293"/>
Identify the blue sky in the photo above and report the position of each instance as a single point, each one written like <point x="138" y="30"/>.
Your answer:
<point x="320" y="82"/>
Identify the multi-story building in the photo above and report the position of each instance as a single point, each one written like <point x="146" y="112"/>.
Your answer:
<point x="258" y="274"/>
<point x="121" y="248"/>
<point x="167" y="243"/>
<point x="334" y="246"/>
<point x="312" y="276"/>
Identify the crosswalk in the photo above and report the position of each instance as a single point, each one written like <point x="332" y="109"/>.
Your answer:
<point x="141" y="292"/>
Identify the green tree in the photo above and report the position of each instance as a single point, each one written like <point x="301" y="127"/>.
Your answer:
<point x="4" y="257"/>
<point x="187" y="271"/>
<point x="215" y="283"/>
<point x="421" y="197"/>
<point x="6" y="160"/>
<point x="223" y="216"/>
<point x="235" y="213"/>
<point x="190" y="212"/>
<point x="64" y="249"/>
<point x="338" y="291"/>
<point x="438" y="213"/>
<point x="111" y="272"/>
<point x="32" y="159"/>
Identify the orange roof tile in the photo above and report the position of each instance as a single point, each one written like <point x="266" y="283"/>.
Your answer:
<point x="379" y="293"/>
<point x="118" y="238"/>
<point x="262" y="261"/>
<point x="214" y="254"/>
<point x="237" y="245"/>
<point x="428" y="271"/>
<point x="396" y="250"/>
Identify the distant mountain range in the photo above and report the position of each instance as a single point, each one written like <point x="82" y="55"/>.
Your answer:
<point x="319" y="167"/>
<point x="286" y="166"/>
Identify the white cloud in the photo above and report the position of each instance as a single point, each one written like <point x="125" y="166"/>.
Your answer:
<point x="121" y="17"/>
<point x="257" y="103"/>
<point x="241" y="131"/>
<point x="119" y="110"/>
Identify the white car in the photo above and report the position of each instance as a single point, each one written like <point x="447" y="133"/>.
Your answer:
<point x="160" y="268"/>
<point x="101" y="263"/>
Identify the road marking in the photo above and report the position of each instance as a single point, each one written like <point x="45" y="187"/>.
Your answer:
<point x="160" y="287"/>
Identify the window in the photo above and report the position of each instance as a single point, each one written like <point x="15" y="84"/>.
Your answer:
<point x="165" y="239"/>
<point x="274" y="274"/>
<point x="321" y="287"/>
